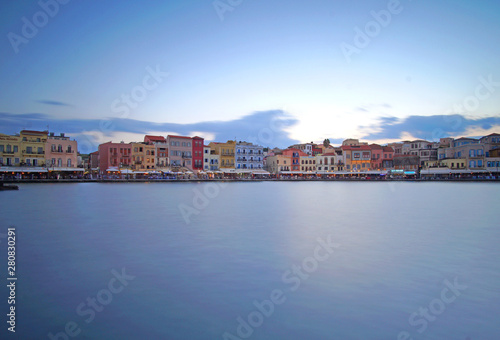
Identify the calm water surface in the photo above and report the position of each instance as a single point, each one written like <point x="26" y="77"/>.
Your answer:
<point x="398" y="248"/>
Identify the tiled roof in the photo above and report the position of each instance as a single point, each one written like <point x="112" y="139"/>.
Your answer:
<point x="35" y="132"/>
<point x="174" y="136"/>
<point x="355" y="147"/>
<point x="156" y="138"/>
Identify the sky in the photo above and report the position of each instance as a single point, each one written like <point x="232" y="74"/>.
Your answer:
<point x="272" y="72"/>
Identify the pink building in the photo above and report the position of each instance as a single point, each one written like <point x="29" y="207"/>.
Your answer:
<point x="60" y="151"/>
<point x="185" y="152"/>
<point x="114" y="155"/>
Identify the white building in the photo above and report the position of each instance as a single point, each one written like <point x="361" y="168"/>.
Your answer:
<point x="210" y="159"/>
<point x="248" y="156"/>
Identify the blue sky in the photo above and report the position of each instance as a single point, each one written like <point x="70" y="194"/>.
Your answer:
<point x="274" y="69"/>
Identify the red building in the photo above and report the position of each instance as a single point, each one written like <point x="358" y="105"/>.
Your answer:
<point x="198" y="153"/>
<point x="114" y="155"/>
<point x="295" y="155"/>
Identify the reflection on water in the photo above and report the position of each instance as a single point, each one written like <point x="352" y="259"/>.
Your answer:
<point x="251" y="264"/>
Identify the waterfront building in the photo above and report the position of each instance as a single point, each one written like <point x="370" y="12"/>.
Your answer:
<point x="248" y="156"/>
<point x="10" y="150"/>
<point x="198" y="144"/>
<point x="358" y="157"/>
<point x="161" y="150"/>
<point x="60" y="152"/>
<point x="307" y="163"/>
<point x="352" y="142"/>
<point x="493" y="163"/>
<point x="388" y="157"/>
<point x="294" y="155"/>
<point x="210" y="159"/>
<point x="94" y="160"/>
<point x="397" y="147"/>
<point x="278" y="163"/>
<point x="304" y="147"/>
<point x="406" y="162"/>
<point x="328" y="162"/>
<point x="377" y="156"/>
<point x="226" y="152"/>
<point x="113" y="156"/>
<point x="180" y="152"/>
<point x="450" y="163"/>
<point x="428" y="153"/>
<point x="143" y="156"/>
<point x="33" y="147"/>
<point x="491" y="142"/>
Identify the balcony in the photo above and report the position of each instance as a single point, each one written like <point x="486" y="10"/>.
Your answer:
<point x="186" y="156"/>
<point x="8" y="152"/>
<point x="70" y="151"/>
<point x="33" y="152"/>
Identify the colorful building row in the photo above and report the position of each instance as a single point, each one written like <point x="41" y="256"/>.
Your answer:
<point x="38" y="149"/>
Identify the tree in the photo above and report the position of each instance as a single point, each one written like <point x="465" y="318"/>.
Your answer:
<point x="326" y="143"/>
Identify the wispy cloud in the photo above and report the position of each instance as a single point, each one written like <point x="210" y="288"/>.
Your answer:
<point x="52" y="102"/>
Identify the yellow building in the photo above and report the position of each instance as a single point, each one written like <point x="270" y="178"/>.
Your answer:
<point x="143" y="156"/>
<point x="33" y="147"/>
<point x="450" y="163"/>
<point x="225" y="152"/>
<point x="10" y="150"/>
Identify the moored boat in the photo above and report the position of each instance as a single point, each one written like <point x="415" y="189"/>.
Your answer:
<point x="8" y="187"/>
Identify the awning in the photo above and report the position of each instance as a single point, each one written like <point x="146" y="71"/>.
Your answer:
<point x="22" y="169"/>
<point x="229" y="171"/>
<point x="65" y="169"/>
<point x="445" y="171"/>
<point x="260" y="172"/>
